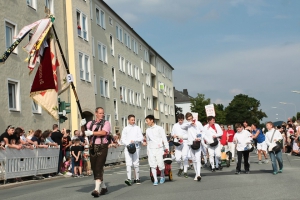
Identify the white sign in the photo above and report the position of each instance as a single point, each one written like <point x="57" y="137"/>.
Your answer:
<point x="69" y="78"/>
<point x="210" y="110"/>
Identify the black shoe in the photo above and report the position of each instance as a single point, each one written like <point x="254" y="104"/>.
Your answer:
<point x="179" y="172"/>
<point x="247" y="172"/>
<point x="237" y="172"/>
<point x="128" y="182"/>
<point x="217" y="168"/>
<point x="198" y="178"/>
<point x="134" y="181"/>
<point x="95" y="193"/>
<point x="103" y="191"/>
<point x="213" y="170"/>
<point x="138" y="182"/>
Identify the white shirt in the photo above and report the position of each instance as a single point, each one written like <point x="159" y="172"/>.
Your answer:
<point x="193" y="131"/>
<point x="210" y="132"/>
<point x="277" y="136"/>
<point x="242" y="139"/>
<point x="131" y="133"/>
<point x="156" y="137"/>
<point x="181" y="133"/>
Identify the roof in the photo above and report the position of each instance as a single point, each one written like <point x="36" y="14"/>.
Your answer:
<point x="181" y="97"/>
<point x="129" y="27"/>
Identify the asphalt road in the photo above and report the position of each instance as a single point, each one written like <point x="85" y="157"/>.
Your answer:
<point x="259" y="184"/>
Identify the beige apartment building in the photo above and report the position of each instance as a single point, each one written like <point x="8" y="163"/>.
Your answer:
<point x="17" y="108"/>
<point x="112" y="67"/>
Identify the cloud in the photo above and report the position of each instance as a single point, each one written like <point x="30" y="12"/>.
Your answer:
<point x="235" y="91"/>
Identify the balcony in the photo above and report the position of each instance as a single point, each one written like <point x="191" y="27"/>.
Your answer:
<point x="156" y="114"/>
<point x="154" y="92"/>
<point x="153" y="70"/>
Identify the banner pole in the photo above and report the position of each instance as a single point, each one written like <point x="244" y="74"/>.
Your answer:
<point x="68" y="72"/>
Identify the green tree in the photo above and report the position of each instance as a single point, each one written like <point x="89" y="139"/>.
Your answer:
<point x="198" y="106"/>
<point x="243" y="107"/>
<point x="178" y="110"/>
<point x="220" y="114"/>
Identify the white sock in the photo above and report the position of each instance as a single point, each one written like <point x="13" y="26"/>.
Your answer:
<point x="137" y="173"/>
<point x="154" y="174"/>
<point x="198" y="168"/>
<point x="185" y="168"/>
<point x="97" y="185"/>
<point x="195" y="167"/>
<point x="102" y="185"/>
<point x="162" y="173"/>
<point x="128" y="172"/>
<point x="205" y="159"/>
<point x="212" y="162"/>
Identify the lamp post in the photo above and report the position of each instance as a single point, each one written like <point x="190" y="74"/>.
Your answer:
<point x="283" y="111"/>
<point x="285" y="103"/>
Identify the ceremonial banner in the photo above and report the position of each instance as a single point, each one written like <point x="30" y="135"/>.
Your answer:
<point x="210" y="110"/>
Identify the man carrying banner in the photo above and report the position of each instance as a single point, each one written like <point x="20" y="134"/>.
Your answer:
<point x="98" y="129"/>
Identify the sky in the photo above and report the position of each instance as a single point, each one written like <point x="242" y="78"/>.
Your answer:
<point x="222" y="48"/>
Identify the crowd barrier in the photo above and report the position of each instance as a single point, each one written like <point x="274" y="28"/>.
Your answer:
<point x="26" y="162"/>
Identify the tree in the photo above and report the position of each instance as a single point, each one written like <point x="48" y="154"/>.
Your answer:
<point x="243" y="107"/>
<point x="220" y="114"/>
<point x="198" y="106"/>
<point x="178" y="110"/>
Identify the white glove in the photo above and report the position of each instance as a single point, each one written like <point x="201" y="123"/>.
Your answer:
<point x="88" y="133"/>
<point x="82" y="122"/>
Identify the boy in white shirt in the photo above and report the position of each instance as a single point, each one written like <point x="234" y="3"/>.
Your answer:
<point x="132" y="134"/>
<point x="156" y="140"/>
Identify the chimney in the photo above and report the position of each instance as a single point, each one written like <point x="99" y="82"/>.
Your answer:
<point x="185" y="91"/>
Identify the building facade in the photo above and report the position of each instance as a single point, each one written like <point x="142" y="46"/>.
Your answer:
<point x="112" y="67"/>
<point x="183" y="100"/>
<point x="17" y="108"/>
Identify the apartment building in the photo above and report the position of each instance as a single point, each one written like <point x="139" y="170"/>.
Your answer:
<point x="125" y="71"/>
<point x="17" y="108"/>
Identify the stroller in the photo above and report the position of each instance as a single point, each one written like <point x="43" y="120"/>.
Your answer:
<point x="225" y="158"/>
<point x="168" y="168"/>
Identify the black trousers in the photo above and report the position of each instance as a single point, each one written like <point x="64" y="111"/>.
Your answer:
<point x="244" y="154"/>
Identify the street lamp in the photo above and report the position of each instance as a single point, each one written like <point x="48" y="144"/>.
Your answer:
<point x="282" y="109"/>
<point x="285" y="103"/>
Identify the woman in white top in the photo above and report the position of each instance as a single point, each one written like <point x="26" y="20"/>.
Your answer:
<point x="272" y="136"/>
<point x="242" y="139"/>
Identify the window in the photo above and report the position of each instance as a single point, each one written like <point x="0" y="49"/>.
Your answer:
<point x="114" y="77"/>
<point x="36" y="108"/>
<point x="116" y="109"/>
<point x="135" y="46"/>
<point x="31" y="3"/>
<point x="170" y="92"/>
<point x="129" y="96"/>
<point x="84" y="67"/>
<point x="166" y="109"/>
<point x="142" y="66"/>
<point x="104" y="88"/>
<point x="161" y="107"/>
<point x="10" y="32"/>
<point x="108" y="118"/>
<point x="100" y="18"/>
<point x="102" y="52"/>
<point x="132" y="96"/>
<point x="93" y="46"/>
<point x="124" y="120"/>
<point x="49" y="5"/>
<point x="149" y="103"/>
<point x="112" y="45"/>
<point x="81" y="25"/>
<point x="146" y="58"/>
<point x="144" y="90"/>
<point x="127" y="40"/>
<point x="140" y="47"/>
<point x="123" y="95"/>
<point x="148" y="81"/>
<point x="119" y="33"/>
<point x="13" y="95"/>
<point x="110" y="21"/>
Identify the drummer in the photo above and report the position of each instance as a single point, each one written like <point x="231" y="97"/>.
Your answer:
<point x="182" y="148"/>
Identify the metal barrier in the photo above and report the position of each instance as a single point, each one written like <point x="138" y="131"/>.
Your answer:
<point x="2" y="165"/>
<point x="47" y="160"/>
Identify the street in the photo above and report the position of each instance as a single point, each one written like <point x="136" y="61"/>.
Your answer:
<point x="259" y="184"/>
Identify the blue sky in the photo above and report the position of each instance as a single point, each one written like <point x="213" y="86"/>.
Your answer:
<point x="221" y="48"/>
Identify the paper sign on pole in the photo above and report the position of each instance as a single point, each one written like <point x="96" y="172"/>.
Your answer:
<point x="210" y="110"/>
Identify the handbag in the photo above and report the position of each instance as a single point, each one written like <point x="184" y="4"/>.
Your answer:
<point x="276" y="147"/>
<point x="195" y="145"/>
<point x="215" y="142"/>
<point x="131" y="148"/>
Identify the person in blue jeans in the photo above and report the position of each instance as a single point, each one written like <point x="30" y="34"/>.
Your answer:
<point x="272" y="136"/>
